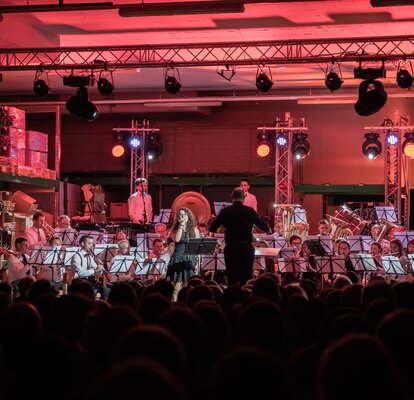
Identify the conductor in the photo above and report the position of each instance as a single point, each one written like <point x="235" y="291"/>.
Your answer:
<point x="238" y="221"/>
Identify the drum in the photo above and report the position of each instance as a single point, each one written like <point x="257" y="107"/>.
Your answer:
<point x="197" y="203"/>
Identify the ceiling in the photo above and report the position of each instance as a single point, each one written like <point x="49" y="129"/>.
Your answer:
<point x="266" y="21"/>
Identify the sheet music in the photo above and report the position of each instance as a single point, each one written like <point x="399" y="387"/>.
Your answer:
<point x="360" y="244"/>
<point x="299" y="216"/>
<point x="145" y="241"/>
<point x="405" y="237"/>
<point x="387" y="213"/>
<point x="213" y="263"/>
<point x="274" y="241"/>
<point x="330" y="264"/>
<point x="392" y="265"/>
<point x="67" y="236"/>
<point x="325" y="241"/>
<point x="163" y="217"/>
<point x="363" y="262"/>
<point x="93" y="234"/>
<point x="292" y="264"/>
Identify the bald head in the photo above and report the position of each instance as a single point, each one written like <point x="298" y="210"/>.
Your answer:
<point x="237" y="194"/>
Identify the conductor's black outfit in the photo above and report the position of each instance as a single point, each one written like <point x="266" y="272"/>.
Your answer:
<point x="238" y="221"/>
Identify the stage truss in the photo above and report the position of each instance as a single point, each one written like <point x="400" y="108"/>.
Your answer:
<point x="186" y="55"/>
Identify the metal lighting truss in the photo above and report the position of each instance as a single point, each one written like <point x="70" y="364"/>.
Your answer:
<point x="283" y="160"/>
<point x="247" y="53"/>
<point x="138" y="164"/>
<point x="392" y="166"/>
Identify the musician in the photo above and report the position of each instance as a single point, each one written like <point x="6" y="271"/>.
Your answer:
<point x="160" y="254"/>
<point x="295" y="241"/>
<point x="344" y="249"/>
<point x="161" y="229"/>
<point x="376" y="252"/>
<point x="157" y="249"/>
<point x="238" y="221"/>
<point x="203" y="229"/>
<point x="120" y="237"/>
<point x="17" y="264"/>
<point x="84" y="262"/>
<point x="140" y="203"/>
<point x="323" y="228"/>
<point x="63" y="222"/>
<point x="249" y="199"/>
<point x="35" y="235"/>
<point x="410" y="247"/>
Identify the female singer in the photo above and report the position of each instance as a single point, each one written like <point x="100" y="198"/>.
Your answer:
<point x="182" y="267"/>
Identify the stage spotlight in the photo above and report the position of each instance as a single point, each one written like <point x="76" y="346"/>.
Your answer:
<point x="392" y="138"/>
<point x="408" y="145"/>
<point x="300" y="146"/>
<point x="153" y="148"/>
<point x="80" y="106"/>
<point x="41" y="88"/>
<point x="282" y="139"/>
<point x="118" y="150"/>
<point x="263" y="83"/>
<point x="172" y="81"/>
<point x="371" y="147"/>
<point x="332" y="81"/>
<point x="372" y="97"/>
<point x="105" y="87"/>
<point x="264" y="144"/>
<point x="404" y="78"/>
<point x="135" y="142"/>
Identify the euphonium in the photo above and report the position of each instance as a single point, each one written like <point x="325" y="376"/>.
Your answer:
<point x="385" y="229"/>
<point x="338" y="227"/>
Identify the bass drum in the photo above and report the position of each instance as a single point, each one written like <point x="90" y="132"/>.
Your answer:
<point x="197" y="203"/>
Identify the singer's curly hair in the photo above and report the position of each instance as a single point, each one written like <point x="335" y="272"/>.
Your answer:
<point x="190" y="233"/>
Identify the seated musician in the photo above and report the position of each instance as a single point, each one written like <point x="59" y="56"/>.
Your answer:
<point x="36" y="235"/>
<point x="203" y="229"/>
<point x="52" y="273"/>
<point x="344" y="249"/>
<point x="157" y="249"/>
<point x="323" y="228"/>
<point x="17" y="263"/>
<point x="162" y="254"/>
<point x="410" y="247"/>
<point x="63" y="223"/>
<point x="84" y="263"/>
<point x="161" y="229"/>
<point x="124" y="248"/>
<point x="140" y="203"/>
<point x="376" y="252"/>
<point x="295" y="241"/>
<point x="310" y="262"/>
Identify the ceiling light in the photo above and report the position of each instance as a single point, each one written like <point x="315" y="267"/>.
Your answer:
<point x="392" y="138"/>
<point x="372" y="97"/>
<point x="135" y="142"/>
<point x="282" y="139"/>
<point x="263" y="82"/>
<point x="408" y="145"/>
<point x="172" y="82"/>
<point x="300" y="146"/>
<point x="333" y="82"/>
<point x="153" y="146"/>
<point x="105" y="87"/>
<point x="80" y="106"/>
<point x="404" y="78"/>
<point x="371" y="147"/>
<point x="40" y="86"/>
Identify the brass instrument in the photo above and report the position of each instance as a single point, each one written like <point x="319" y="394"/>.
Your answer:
<point x="49" y="231"/>
<point x="338" y="228"/>
<point x="285" y="223"/>
<point x="387" y="229"/>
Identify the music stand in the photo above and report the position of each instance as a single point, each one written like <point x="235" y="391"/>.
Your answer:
<point x="150" y="267"/>
<point x="292" y="264"/>
<point x="108" y="238"/>
<point x="138" y="254"/>
<point x="53" y="260"/>
<point x="68" y="255"/>
<point x="387" y="213"/>
<point x="94" y="234"/>
<point x="330" y="265"/>
<point x="199" y="246"/>
<point x="120" y="266"/>
<point x="299" y="216"/>
<point x="214" y="263"/>
<point x="392" y="266"/>
<point x="405" y="237"/>
<point x="164" y="216"/>
<point x="320" y="245"/>
<point x="105" y="252"/>
<point x="219" y="238"/>
<point x="274" y="241"/>
<point x="287" y="252"/>
<point x="67" y="236"/>
<point x="219" y="205"/>
<point x="359" y="244"/>
<point x="145" y="241"/>
<point x="363" y="262"/>
<point x="37" y="257"/>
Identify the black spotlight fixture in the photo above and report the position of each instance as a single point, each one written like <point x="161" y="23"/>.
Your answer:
<point x="372" y="97"/>
<point x="153" y="148"/>
<point x="105" y="85"/>
<point x="263" y="82"/>
<point x="40" y="86"/>
<point x="404" y="78"/>
<point x="172" y="81"/>
<point x="80" y="106"/>
<point x="300" y="146"/>
<point x="372" y="147"/>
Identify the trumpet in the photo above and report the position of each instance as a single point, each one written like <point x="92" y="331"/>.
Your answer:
<point x="49" y="231"/>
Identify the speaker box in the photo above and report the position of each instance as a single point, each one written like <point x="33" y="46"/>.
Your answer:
<point x="23" y="202"/>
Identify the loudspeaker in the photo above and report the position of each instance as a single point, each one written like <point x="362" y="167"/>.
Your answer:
<point x="23" y="202"/>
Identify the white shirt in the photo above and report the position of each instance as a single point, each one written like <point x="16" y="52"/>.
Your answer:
<point x="250" y="201"/>
<point x="136" y="207"/>
<point x="32" y="236"/>
<point x="17" y="269"/>
<point x="84" y="264"/>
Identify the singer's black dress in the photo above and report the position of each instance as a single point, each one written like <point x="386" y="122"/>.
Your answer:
<point x="181" y="267"/>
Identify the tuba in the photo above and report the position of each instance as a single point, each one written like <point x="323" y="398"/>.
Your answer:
<point x="285" y="223"/>
<point x="197" y="203"/>
<point x="387" y="230"/>
<point x="338" y="228"/>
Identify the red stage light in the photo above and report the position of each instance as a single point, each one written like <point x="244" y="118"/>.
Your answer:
<point x="118" y="150"/>
<point x="263" y="149"/>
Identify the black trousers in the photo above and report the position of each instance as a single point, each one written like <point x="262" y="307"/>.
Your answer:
<point x="239" y="258"/>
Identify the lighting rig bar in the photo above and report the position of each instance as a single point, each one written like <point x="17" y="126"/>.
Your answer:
<point x="281" y="52"/>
